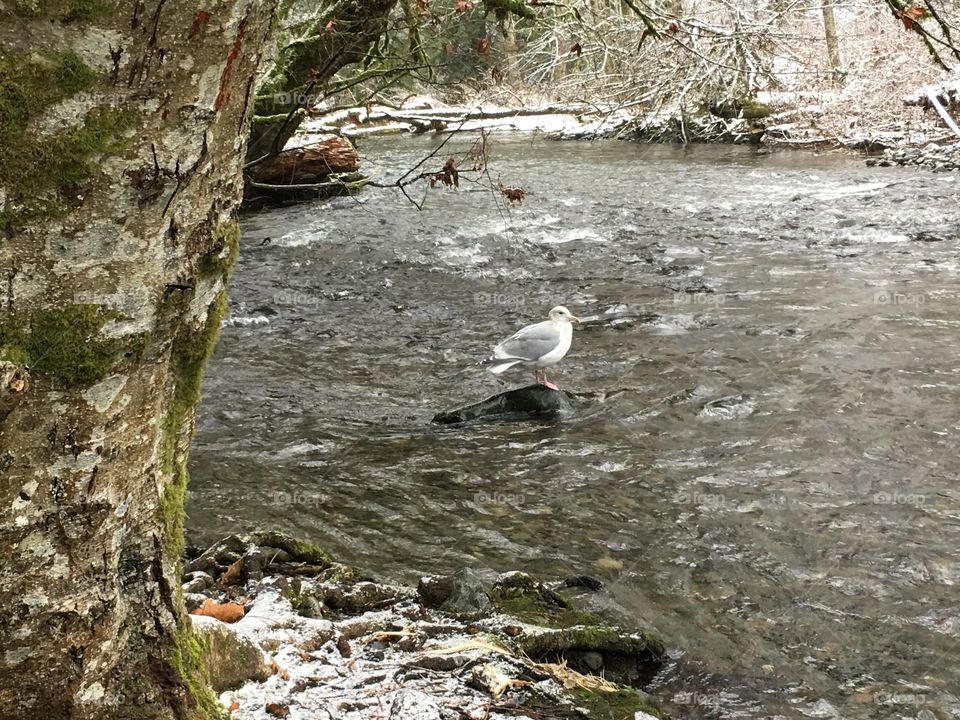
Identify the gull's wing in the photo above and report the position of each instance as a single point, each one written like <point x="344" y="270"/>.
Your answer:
<point x="530" y="343"/>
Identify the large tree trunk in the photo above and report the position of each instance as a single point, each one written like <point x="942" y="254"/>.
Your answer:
<point x="122" y="129"/>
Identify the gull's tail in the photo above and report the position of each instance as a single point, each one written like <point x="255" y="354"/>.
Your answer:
<point x="498" y="365"/>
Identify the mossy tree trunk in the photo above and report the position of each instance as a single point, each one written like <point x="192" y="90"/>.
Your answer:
<point x="122" y="132"/>
<point x="315" y="41"/>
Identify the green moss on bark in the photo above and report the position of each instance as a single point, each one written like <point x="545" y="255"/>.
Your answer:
<point x="188" y="663"/>
<point x="66" y="344"/>
<point x="66" y="10"/>
<point x="43" y="175"/>
<point x="191" y="348"/>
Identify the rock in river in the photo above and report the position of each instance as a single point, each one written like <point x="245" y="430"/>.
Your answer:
<point x="525" y="401"/>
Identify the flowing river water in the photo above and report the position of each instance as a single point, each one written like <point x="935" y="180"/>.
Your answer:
<point x="763" y="466"/>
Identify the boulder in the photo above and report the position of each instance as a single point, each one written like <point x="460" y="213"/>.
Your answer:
<point x="230" y="660"/>
<point x="532" y="400"/>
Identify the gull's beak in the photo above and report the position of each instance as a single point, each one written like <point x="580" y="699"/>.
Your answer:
<point x="575" y="319"/>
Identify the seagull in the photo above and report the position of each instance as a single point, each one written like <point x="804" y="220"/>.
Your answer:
<point x="540" y="345"/>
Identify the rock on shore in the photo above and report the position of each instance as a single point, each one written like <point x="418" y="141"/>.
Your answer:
<point x="317" y="639"/>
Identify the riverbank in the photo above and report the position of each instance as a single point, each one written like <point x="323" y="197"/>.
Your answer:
<point x="818" y="119"/>
<point x="290" y="633"/>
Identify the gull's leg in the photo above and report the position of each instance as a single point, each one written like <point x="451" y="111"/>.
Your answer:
<point x="536" y="376"/>
<point x="548" y="384"/>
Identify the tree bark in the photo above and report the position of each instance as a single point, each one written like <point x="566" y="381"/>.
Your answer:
<point x="316" y="41"/>
<point x="120" y="153"/>
<point x="830" y="34"/>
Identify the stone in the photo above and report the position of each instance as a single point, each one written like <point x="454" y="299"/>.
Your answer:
<point x="410" y="704"/>
<point x="468" y="596"/>
<point x="197" y="582"/>
<point x="231" y="660"/>
<point x="435" y="589"/>
<point x="532" y="400"/>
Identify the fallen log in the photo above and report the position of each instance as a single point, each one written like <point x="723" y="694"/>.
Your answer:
<point x="309" y="164"/>
<point x="257" y="195"/>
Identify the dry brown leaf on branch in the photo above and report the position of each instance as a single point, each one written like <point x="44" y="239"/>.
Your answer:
<point x="447" y="48"/>
<point x="462" y="6"/>
<point x="233" y="706"/>
<point x="497" y="75"/>
<point x="422" y="6"/>
<point x="576" y="49"/>
<point x="673" y="27"/>
<point x="910" y="15"/>
<point x="514" y="194"/>
<point x="277" y="710"/>
<point x="228" y="612"/>
<point x="483" y="45"/>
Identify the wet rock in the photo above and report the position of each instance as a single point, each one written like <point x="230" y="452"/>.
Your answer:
<point x="435" y="589"/>
<point x="925" y="236"/>
<point x="362" y="596"/>
<point x="197" y="581"/>
<point x="230" y="660"/>
<point x="620" y="317"/>
<point x="193" y="600"/>
<point x="468" y="596"/>
<point x="526" y="401"/>
<point x="521" y="596"/>
<point x="593" y="660"/>
<point x="583" y="581"/>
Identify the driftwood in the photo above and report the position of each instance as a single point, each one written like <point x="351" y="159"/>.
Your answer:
<point x="944" y="115"/>
<point x="309" y="164"/>
<point x="258" y="195"/>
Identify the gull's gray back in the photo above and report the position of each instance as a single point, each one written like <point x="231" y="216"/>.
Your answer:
<point x="530" y="343"/>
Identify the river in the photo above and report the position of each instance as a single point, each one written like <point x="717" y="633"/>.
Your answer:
<point x="763" y="467"/>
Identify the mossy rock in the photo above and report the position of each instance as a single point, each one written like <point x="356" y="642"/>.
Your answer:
<point x="623" y="656"/>
<point x="621" y="704"/>
<point x="230" y="660"/>
<point x="521" y="596"/>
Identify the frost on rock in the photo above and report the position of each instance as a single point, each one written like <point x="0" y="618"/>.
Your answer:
<point x="343" y="646"/>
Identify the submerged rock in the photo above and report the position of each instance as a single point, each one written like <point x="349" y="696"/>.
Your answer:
<point x="530" y="400"/>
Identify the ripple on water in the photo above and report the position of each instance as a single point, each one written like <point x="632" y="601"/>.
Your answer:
<point x="770" y="535"/>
